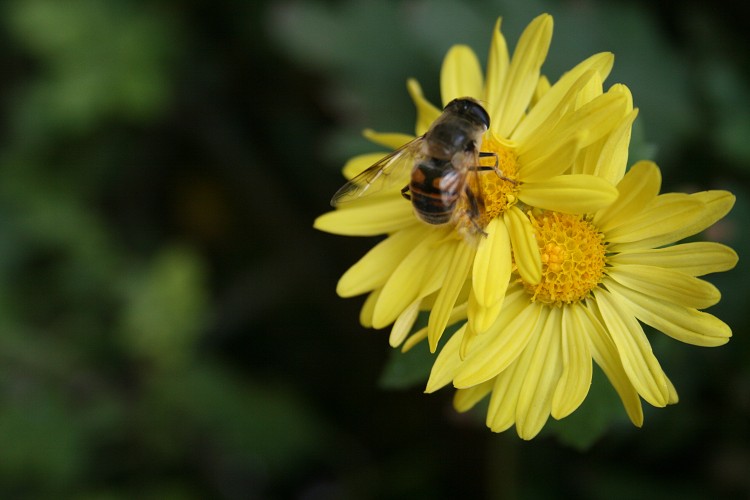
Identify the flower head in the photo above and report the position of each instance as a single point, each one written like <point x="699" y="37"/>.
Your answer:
<point x="538" y="134"/>
<point x="602" y="275"/>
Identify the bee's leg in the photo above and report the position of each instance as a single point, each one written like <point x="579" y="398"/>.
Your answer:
<point x="473" y="212"/>
<point x="405" y="192"/>
<point x="487" y="154"/>
<point x="480" y="168"/>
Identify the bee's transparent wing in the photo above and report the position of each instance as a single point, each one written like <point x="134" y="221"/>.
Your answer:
<point x="393" y="169"/>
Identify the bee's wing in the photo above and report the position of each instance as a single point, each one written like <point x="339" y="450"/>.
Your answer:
<point x="393" y="169"/>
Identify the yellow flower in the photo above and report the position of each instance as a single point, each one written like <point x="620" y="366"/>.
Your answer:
<point x="602" y="274"/>
<point x="539" y="133"/>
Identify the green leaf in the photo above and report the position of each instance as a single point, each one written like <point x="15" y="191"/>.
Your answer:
<point x="166" y="308"/>
<point x="41" y="437"/>
<point x="267" y="424"/>
<point x="407" y="370"/>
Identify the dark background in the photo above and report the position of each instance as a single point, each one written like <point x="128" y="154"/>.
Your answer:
<point x="168" y="320"/>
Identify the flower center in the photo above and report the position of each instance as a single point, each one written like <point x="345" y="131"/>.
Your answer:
<point x="572" y="258"/>
<point x="499" y="187"/>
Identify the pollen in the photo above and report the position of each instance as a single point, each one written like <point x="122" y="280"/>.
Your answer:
<point x="573" y="258"/>
<point x="499" y="186"/>
<point x="493" y="183"/>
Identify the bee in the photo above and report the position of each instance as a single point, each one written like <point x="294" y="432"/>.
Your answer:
<point x="439" y="170"/>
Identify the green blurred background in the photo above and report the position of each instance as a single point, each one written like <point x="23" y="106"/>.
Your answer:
<point x="168" y="321"/>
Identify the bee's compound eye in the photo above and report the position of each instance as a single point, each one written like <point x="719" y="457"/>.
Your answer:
<point x="478" y="113"/>
<point x="471" y="109"/>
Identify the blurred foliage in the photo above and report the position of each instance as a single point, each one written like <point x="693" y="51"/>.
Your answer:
<point x="91" y="70"/>
<point x="168" y="321"/>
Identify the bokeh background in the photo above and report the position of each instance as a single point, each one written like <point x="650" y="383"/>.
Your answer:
<point x="168" y="321"/>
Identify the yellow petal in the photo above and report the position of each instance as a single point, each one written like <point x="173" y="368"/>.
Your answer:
<point x="637" y="190"/>
<point x="570" y="194"/>
<point x="426" y="111"/>
<point x="586" y="157"/>
<point x="601" y="62"/>
<point x="563" y="91"/>
<point x="446" y="364"/>
<point x="392" y="140"/>
<point x="667" y="284"/>
<point x="635" y="352"/>
<point x="365" y="314"/>
<point x="577" y="367"/>
<point x="716" y="204"/>
<point x="387" y="216"/>
<point x="542" y="87"/>
<point x="590" y="91"/>
<point x="414" y="339"/>
<point x="497" y="68"/>
<point x="555" y="163"/>
<point x="613" y="158"/>
<point x="492" y="265"/>
<point x="501" y="346"/>
<point x="673" y="397"/>
<point x="539" y="124"/>
<point x="681" y="323"/>
<point x="619" y="88"/>
<point x="587" y="161"/>
<point x="467" y="341"/>
<point x="446" y="299"/>
<point x="656" y="225"/>
<point x="458" y="314"/>
<point x="523" y="242"/>
<point x="373" y="270"/>
<point x="482" y="318"/>
<point x="460" y="75"/>
<point x="695" y="259"/>
<point x="501" y="412"/>
<point x="713" y="205"/>
<point x="404" y="284"/>
<point x="465" y="399"/>
<point x="604" y="352"/>
<point x="597" y="118"/>
<point x="438" y="266"/>
<point x="523" y="74"/>
<point x="542" y="376"/>
<point x="403" y="324"/>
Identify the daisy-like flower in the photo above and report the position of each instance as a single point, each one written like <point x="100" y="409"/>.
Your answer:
<point x="539" y="133"/>
<point x="603" y="275"/>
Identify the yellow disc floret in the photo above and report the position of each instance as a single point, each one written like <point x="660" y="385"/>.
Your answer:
<point x="494" y="183"/>
<point x="573" y="258"/>
<point x="499" y="187"/>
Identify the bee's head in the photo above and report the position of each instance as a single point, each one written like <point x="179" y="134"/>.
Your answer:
<point x="470" y="109"/>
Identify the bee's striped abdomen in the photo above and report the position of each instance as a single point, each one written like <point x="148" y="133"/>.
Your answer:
<point x="435" y="188"/>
